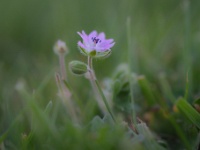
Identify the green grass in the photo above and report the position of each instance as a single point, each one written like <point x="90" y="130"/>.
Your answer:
<point x="151" y="78"/>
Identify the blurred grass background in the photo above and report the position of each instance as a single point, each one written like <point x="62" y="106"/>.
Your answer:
<point x="165" y="37"/>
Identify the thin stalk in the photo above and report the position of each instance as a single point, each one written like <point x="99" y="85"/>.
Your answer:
<point x="91" y="71"/>
<point x="92" y="82"/>
<point x="96" y="87"/>
<point x="63" y="76"/>
<point x="186" y="87"/>
<point x="65" y="98"/>
<point x="179" y="132"/>
<point x="130" y="78"/>
<point x="166" y="89"/>
<point x="132" y="103"/>
<point x="187" y="59"/>
<point x="62" y="67"/>
<point x="64" y="91"/>
<point x="104" y="100"/>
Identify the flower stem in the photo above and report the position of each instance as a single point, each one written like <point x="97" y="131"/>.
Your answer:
<point x="92" y="78"/>
<point x="104" y="100"/>
<point x="65" y="98"/>
<point x="130" y="64"/>
<point x="65" y="92"/>
<point x="64" y="75"/>
<point x="62" y="67"/>
<point x="97" y="88"/>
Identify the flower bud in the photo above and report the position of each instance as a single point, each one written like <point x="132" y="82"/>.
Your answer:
<point x="60" y="48"/>
<point x="78" y="67"/>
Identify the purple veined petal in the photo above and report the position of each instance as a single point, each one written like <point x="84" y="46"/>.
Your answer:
<point x="105" y="46"/>
<point x="87" y="39"/>
<point x="83" y="32"/>
<point x="87" y="48"/>
<point x="109" y="40"/>
<point x="81" y="35"/>
<point x="81" y="45"/>
<point x="84" y="36"/>
<point x="95" y="41"/>
<point x="105" y="42"/>
<point x="93" y="34"/>
<point x="110" y="45"/>
<point x="101" y="36"/>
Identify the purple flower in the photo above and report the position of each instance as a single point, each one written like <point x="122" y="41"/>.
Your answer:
<point x="95" y="42"/>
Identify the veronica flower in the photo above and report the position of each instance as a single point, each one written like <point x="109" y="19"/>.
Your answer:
<point x="95" y="42"/>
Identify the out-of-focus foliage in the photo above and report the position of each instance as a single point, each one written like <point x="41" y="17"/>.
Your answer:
<point x="165" y="42"/>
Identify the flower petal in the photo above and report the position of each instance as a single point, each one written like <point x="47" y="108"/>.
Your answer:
<point x="93" y="34"/>
<point x="84" y="36"/>
<point x="104" y="46"/>
<point x="101" y="36"/>
<point x="81" y="45"/>
<point x="110" y="45"/>
<point x="105" y="42"/>
<point x="99" y="44"/>
<point x="81" y="35"/>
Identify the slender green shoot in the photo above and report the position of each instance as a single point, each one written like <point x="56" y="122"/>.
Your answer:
<point x="96" y="86"/>
<point x="130" y="78"/>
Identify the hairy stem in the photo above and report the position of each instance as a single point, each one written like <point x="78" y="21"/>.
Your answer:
<point x="129" y="57"/>
<point x="62" y="67"/>
<point x="104" y="100"/>
<point x="92" y="79"/>
<point x="96" y="87"/>
<point x="64" y="75"/>
<point x="65" y="92"/>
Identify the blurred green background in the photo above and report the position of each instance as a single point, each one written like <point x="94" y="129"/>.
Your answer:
<point x="165" y="39"/>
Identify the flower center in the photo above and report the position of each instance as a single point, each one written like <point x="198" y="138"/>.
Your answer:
<point x="96" y="40"/>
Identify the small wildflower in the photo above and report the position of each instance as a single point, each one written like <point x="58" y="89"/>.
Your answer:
<point x="60" y="48"/>
<point x="95" y="43"/>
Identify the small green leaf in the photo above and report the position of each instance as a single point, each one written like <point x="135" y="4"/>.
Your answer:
<point x="67" y="85"/>
<point x="116" y="86"/>
<point x="188" y="111"/>
<point x="78" y="67"/>
<point x="149" y="140"/>
<point x="166" y="88"/>
<point x="197" y="101"/>
<point x="108" y="119"/>
<point x="123" y="74"/>
<point x="96" y="123"/>
<point x="146" y="90"/>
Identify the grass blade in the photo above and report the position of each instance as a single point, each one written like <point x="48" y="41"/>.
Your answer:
<point x="189" y="112"/>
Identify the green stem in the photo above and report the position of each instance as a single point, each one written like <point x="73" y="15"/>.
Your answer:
<point x="104" y="100"/>
<point x="132" y="102"/>
<point x="92" y="78"/>
<point x="129" y="57"/>
<point x="187" y="51"/>
<point x="96" y="86"/>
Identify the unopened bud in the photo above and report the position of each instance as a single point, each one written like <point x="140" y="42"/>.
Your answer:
<point x="78" y="67"/>
<point x="60" y="48"/>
